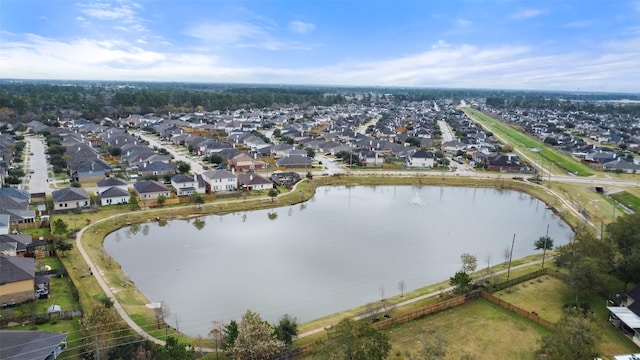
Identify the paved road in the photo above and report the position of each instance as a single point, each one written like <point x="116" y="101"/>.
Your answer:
<point x="196" y="167"/>
<point x="38" y="164"/>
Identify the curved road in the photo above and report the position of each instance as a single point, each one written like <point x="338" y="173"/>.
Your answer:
<point x="333" y="168"/>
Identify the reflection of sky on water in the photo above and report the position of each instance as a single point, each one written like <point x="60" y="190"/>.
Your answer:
<point x="326" y="255"/>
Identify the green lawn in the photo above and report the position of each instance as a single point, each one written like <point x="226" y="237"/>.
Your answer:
<point x="526" y="142"/>
<point x="547" y="295"/>
<point x="478" y="328"/>
<point x="627" y="199"/>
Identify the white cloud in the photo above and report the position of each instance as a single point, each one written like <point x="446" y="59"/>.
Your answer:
<point x="242" y="35"/>
<point x="526" y="14"/>
<point x="226" y="33"/>
<point x="441" y="44"/>
<point x="463" y="22"/>
<point x="122" y="12"/>
<point x="613" y="67"/>
<point x="105" y="11"/>
<point x="300" y="27"/>
<point x="580" y="24"/>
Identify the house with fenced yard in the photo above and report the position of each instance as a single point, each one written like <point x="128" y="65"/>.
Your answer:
<point x="627" y="316"/>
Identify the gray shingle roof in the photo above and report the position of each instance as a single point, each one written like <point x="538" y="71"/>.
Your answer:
<point x="69" y="194"/>
<point x="15" y="268"/>
<point x="28" y="345"/>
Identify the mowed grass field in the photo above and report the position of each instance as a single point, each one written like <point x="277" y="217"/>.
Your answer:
<point x="478" y="328"/>
<point x="546" y="295"/>
<point x="526" y="142"/>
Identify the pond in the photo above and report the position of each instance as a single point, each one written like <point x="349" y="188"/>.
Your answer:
<point x="345" y="247"/>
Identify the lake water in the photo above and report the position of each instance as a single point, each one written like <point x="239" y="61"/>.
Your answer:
<point x="343" y="248"/>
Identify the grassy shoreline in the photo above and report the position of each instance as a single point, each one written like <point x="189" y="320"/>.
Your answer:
<point x="102" y="223"/>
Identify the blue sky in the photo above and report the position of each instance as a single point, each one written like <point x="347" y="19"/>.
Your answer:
<point x="586" y="45"/>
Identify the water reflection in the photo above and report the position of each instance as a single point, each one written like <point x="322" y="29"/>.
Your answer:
<point x="336" y="254"/>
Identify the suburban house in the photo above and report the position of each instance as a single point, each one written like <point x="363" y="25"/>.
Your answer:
<point x="421" y="159"/>
<point x="17" y="277"/>
<point x="16" y="204"/>
<point x="110" y="182"/>
<point x="253" y="182"/>
<point x="244" y="162"/>
<point x="370" y="158"/>
<point x="15" y="244"/>
<point x="35" y="345"/>
<point x="150" y="190"/>
<point x="114" y="196"/>
<point x="187" y="185"/>
<point x="157" y="168"/>
<point x="294" y="161"/>
<point x="287" y="179"/>
<point x="452" y="147"/>
<point x="70" y="198"/>
<point x="627" y="316"/>
<point x="220" y="180"/>
<point x="89" y="170"/>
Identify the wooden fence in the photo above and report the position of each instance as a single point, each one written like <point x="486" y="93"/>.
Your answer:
<point x="431" y="309"/>
<point x="531" y="315"/>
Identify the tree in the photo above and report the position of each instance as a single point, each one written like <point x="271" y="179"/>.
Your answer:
<point x="469" y="262"/>
<point x="183" y="167"/>
<point x="133" y="201"/>
<point x="63" y="246"/>
<point x="229" y="335"/>
<point x="585" y="277"/>
<point x="273" y="192"/>
<point x="217" y="333"/>
<point x="59" y="227"/>
<point x="402" y="286"/>
<point x="543" y="243"/>
<point x="628" y="269"/>
<point x="287" y="329"/>
<point x="310" y="152"/>
<point x="624" y="232"/>
<point x="574" y="336"/>
<point x="256" y="339"/>
<point x="161" y="199"/>
<point x="354" y="340"/>
<point x="100" y="330"/>
<point x="173" y="350"/>
<point x="461" y="282"/>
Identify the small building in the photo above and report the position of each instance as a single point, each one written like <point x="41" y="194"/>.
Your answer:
<point x="70" y="198"/>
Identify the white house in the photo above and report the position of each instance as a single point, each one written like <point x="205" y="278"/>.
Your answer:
<point x="187" y="185"/>
<point x="421" y="159"/>
<point x="220" y="180"/>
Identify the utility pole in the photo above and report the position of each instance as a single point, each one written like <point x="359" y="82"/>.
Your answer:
<point x="511" y="256"/>
<point x="546" y="241"/>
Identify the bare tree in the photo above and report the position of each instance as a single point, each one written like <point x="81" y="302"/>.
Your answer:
<point x="162" y="311"/>
<point x="381" y="293"/>
<point x="506" y="253"/>
<point x="216" y="334"/>
<point x="401" y="286"/>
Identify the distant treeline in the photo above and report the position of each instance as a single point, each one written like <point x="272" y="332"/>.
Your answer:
<point x="26" y="100"/>
<point x="601" y="104"/>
